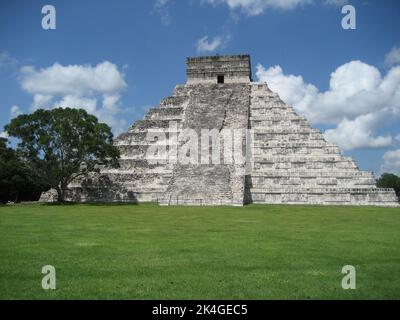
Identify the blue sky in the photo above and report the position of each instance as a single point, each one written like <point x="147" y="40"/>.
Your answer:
<point x="120" y="57"/>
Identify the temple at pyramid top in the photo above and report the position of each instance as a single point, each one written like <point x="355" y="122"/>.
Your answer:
<point x="219" y="69"/>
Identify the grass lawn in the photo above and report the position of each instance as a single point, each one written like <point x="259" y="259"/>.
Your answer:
<point x="151" y="252"/>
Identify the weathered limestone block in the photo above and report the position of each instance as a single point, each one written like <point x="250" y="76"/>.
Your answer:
<point x="234" y="69"/>
<point x="49" y="196"/>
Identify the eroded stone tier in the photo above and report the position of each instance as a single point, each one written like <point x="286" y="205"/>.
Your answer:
<point x="289" y="162"/>
<point x="293" y="163"/>
<point x="138" y="179"/>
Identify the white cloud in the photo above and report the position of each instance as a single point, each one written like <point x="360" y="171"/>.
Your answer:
<point x="391" y="162"/>
<point x="72" y="101"/>
<point x="96" y="89"/>
<point x="359" y="133"/>
<point x="393" y="57"/>
<point x="41" y="100"/>
<point x="6" y="59"/>
<point x="359" y="102"/>
<point x="4" y="134"/>
<point x="292" y="89"/>
<point x="256" y="7"/>
<point x="337" y="2"/>
<point x="218" y="42"/>
<point x="73" y="79"/>
<point x="15" y="111"/>
<point x="161" y="9"/>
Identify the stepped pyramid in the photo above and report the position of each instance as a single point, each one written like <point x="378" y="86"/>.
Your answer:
<point x="283" y="160"/>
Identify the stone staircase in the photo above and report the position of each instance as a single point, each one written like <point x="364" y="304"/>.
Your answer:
<point x="210" y="106"/>
<point x="199" y="185"/>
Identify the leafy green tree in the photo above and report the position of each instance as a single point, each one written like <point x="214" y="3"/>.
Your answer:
<point x="61" y="144"/>
<point x="389" y="180"/>
<point x="16" y="181"/>
<point x="7" y="157"/>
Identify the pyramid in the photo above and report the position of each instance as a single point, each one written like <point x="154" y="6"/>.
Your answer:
<point x="280" y="158"/>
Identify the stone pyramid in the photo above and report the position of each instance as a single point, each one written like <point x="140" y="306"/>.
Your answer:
<point x="284" y="160"/>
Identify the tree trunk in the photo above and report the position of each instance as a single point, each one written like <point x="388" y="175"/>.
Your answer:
<point x="60" y="194"/>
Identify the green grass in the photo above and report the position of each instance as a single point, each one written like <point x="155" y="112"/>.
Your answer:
<point x="151" y="252"/>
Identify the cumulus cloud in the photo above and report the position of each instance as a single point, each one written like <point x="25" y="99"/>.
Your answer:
<point x="218" y="42"/>
<point x="359" y="133"/>
<point x="72" y="101"/>
<point x="161" y="9"/>
<point x="6" y="59"/>
<point x="292" y="89"/>
<point x="15" y="111"/>
<point x="393" y="57"/>
<point x="336" y="2"/>
<point x="359" y="102"/>
<point x="257" y="7"/>
<point x="391" y="162"/>
<point x="96" y="89"/>
<point x="4" y="134"/>
<point x="73" y="79"/>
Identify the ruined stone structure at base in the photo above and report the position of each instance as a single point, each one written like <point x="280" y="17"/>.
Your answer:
<point x="288" y="163"/>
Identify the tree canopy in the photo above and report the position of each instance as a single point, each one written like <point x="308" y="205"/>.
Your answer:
<point x="389" y="180"/>
<point x="16" y="180"/>
<point x="61" y="144"/>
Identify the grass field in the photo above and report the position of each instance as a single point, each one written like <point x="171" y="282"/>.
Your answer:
<point x="151" y="252"/>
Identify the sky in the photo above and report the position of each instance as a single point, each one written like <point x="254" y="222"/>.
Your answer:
<point x="118" y="58"/>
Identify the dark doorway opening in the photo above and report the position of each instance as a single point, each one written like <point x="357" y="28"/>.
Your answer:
<point x="220" y="79"/>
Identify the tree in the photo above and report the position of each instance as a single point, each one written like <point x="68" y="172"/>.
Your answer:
<point x="389" y="180"/>
<point x="7" y="169"/>
<point x="16" y="180"/>
<point x="60" y="145"/>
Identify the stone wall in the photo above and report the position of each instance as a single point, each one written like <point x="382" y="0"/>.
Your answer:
<point x="235" y="69"/>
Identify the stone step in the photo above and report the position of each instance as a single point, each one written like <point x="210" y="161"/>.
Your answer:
<point x="291" y="118"/>
<point x="286" y="130"/>
<point x="173" y="101"/>
<point x="343" y="173"/>
<point x="294" y="144"/>
<point x="303" y="166"/>
<point x="277" y="126"/>
<point x="309" y="182"/>
<point x="290" y="157"/>
<point x="323" y="190"/>
<point x="169" y="113"/>
<point x="153" y="124"/>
